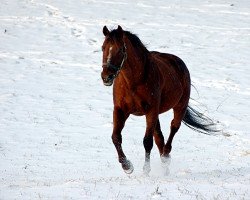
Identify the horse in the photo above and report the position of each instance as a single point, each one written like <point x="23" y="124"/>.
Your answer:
<point x="147" y="83"/>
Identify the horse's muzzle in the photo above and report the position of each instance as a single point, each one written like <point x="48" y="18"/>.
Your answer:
<point x="108" y="80"/>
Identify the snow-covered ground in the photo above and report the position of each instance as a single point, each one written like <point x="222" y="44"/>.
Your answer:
<point x="56" y="115"/>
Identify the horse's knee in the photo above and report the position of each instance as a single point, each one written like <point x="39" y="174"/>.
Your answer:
<point x="117" y="139"/>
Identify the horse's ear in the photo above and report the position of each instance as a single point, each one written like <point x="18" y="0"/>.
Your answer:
<point x="105" y="31"/>
<point x="119" y="28"/>
<point x="120" y="31"/>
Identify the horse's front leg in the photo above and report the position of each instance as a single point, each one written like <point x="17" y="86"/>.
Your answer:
<point x="151" y="120"/>
<point x="119" y="118"/>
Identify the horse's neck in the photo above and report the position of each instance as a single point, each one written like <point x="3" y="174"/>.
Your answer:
<point x="134" y="67"/>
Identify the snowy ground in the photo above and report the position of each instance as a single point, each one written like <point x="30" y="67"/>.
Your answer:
<point x="56" y="115"/>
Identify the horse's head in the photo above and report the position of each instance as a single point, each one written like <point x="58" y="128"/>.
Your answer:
<point x="114" y="54"/>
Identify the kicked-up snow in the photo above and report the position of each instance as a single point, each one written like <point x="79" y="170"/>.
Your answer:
<point x="56" y="114"/>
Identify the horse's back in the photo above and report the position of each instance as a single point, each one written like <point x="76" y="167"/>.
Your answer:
<point x="172" y="63"/>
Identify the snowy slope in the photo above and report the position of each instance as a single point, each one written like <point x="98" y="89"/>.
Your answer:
<point x="56" y="115"/>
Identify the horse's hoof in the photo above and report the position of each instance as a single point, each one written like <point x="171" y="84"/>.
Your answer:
<point x="127" y="167"/>
<point x="129" y="171"/>
<point x="166" y="159"/>
<point x="146" y="168"/>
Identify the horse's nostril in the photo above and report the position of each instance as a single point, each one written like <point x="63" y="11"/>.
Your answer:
<point x="107" y="78"/>
<point x="110" y="77"/>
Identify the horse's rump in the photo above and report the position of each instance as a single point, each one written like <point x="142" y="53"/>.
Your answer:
<point x="175" y="86"/>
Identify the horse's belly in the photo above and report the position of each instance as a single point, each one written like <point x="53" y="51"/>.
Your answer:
<point x="143" y="111"/>
<point x="138" y="113"/>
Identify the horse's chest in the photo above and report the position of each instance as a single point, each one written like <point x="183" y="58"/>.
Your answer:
<point x="138" y="103"/>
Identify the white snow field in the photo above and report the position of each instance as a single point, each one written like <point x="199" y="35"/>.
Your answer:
<point x="56" y="114"/>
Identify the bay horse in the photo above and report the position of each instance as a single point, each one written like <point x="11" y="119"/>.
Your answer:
<point x="147" y="83"/>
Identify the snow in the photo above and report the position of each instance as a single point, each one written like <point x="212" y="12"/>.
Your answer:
<point x="56" y="114"/>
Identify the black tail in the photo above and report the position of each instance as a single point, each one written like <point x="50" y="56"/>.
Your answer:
<point x="199" y="122"/>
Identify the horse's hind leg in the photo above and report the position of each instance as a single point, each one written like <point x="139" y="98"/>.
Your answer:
<point x="179" y="113"/>
<point x="151" y="120"/>
<point x="159" y="138"/>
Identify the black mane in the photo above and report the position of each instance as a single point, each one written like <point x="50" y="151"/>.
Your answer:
<point x="135" y="41"/>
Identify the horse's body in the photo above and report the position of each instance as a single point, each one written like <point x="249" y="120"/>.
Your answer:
<point x="165" y="84"/>
<point x="146" y="83"/>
